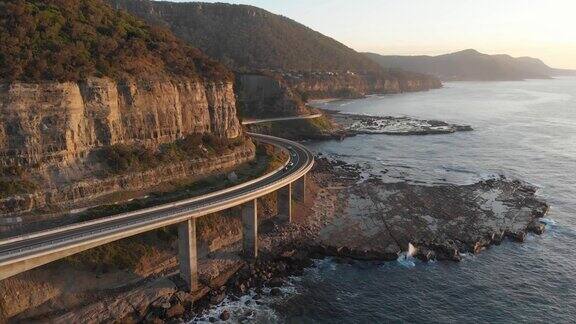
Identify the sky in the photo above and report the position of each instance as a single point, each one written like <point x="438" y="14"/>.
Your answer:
<point x="545" y="29"/>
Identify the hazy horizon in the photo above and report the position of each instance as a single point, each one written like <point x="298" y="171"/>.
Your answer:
<point x="545" y="30"/>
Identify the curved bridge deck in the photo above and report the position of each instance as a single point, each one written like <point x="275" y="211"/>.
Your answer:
<point x="25" y="252"/>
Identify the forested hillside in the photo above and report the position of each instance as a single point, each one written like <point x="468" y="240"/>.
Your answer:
<point x="249" y="37"/>
<point x="68" y="40"/>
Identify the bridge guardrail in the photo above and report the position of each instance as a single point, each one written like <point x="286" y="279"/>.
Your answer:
<point x="153" y="222"/>
<point x="151" y="209"/>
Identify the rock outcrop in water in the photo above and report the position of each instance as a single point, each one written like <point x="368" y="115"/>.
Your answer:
<point x="381" y="219"/>
<point x="361" y="124"/>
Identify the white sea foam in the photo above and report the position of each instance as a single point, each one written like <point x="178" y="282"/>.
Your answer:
<point x="252" y="307"/>
<point x="406" y="262"/>
<point x="548" y="221"/>
<point x="246" y="308"/>
<point x="407" y="259"/>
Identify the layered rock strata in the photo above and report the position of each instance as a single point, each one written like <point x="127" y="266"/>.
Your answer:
<point x="69" y="195"/>
<point x="55" y="123"/>
<point x="355" y="85"/>
<point x="262" y="95"/>
<point x="50" y="131"/>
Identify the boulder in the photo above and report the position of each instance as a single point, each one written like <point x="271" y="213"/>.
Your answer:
<point x="275" y="282"/>
<point x="480" y="245"/>
<point x="175" y="311"/>
<point x="225" y="315"/>
<point x="497" y="237"/>
<point x="425" y="254"/>
<point x="216" y="297"/>
<point x="518" y="237"/>
<point x="275" y="292"/>
<point x="536" y="227"/>
<point x="232" y="177"/>
<point x="447" y="251"/>
<point x="242" y="288"/>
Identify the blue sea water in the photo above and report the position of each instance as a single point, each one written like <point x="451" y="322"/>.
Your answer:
<point x="524" y="130"/>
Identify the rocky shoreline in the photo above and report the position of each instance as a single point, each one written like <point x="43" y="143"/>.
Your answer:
<point x="442" y="222"/>
<point x="352" y="216"/>
<point x="335" y="230"/>
<point x="387" y="125"/>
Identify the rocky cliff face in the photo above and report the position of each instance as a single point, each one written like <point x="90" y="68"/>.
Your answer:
<point x="353" y="85"/>
<point x="52" y="131"/>
<point x="252" y="40"/>
<point x="283" y="94"/>
<point x="54" y="123"/>
<point x="419" y="84"/>
<point x="69" y="194"/>
<point x="267" y="96"/>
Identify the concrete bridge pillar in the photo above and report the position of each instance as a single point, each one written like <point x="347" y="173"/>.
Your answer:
<point x="300" y="189"/>
<point x="250" y="228"/>
<point x="284" y="202"/>
<point x="187" y="253"/>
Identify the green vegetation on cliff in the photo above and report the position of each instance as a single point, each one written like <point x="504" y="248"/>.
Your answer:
<point x="122" y="158"/>
<point x="129" y="253"/>
<point x="15" y="181"/>
<point x="69" y="40"/>
<point x="303" y="129"/>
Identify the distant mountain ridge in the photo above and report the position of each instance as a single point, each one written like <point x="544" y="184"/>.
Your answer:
<point x="471" y="65"/>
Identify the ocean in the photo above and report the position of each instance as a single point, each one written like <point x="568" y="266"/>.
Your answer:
<point x="524" y="130"/>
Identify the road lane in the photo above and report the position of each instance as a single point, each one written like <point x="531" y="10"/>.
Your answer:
<point x="21" y="248"/>
<point x="277" y="119"/>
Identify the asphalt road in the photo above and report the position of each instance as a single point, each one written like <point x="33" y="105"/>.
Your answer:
<point x="31" y="245"/>
<point x="269" y="120"/>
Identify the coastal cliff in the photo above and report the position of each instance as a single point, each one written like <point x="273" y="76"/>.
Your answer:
<point x="356" y="85"/>
<point x="84" y="190"/>
<point x="57" y="123"/>
<point x="102" y="103"/>
<point x="261" y="95"/>
<point x="55" y="130"/>
<point x="293" y="62"/>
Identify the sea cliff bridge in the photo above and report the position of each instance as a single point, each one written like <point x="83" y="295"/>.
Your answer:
<point x="25" y="252"/>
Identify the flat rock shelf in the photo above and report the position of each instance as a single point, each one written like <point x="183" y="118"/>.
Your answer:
<point x="382" y="219"/>
<point x="363" y="124"/>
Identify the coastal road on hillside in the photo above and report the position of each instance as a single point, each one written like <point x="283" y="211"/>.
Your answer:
<point x="268" y="120"/>
<point x="54" y="244"/>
